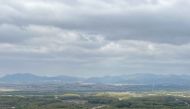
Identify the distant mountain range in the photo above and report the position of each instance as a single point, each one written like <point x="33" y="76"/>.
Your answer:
<point x="30" y="78"/>
<point x="123" y="79"/>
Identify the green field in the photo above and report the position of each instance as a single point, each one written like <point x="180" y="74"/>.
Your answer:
<point x="108" y="100"/>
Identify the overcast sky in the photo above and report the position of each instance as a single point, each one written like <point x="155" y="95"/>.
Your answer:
<point x="94" y="37"/>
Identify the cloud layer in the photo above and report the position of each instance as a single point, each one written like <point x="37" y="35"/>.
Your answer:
<point x="94" y="37"/>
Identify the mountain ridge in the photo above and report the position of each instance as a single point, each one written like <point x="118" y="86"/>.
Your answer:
<point x="120" y="79"/>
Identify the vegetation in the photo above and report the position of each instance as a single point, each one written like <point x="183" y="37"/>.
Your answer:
<point x="93" y="101"/>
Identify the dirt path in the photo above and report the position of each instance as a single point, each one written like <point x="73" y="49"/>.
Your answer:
<point x="99" y="107"/>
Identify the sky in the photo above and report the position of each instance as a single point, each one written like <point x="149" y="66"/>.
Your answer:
<point x="94" y="37"/>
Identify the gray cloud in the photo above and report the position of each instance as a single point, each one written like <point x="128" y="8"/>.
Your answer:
<point x="85" y="37"/>
<point x="153" y="20"/>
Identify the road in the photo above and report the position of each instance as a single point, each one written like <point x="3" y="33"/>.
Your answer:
<point x="188" y="105"/>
